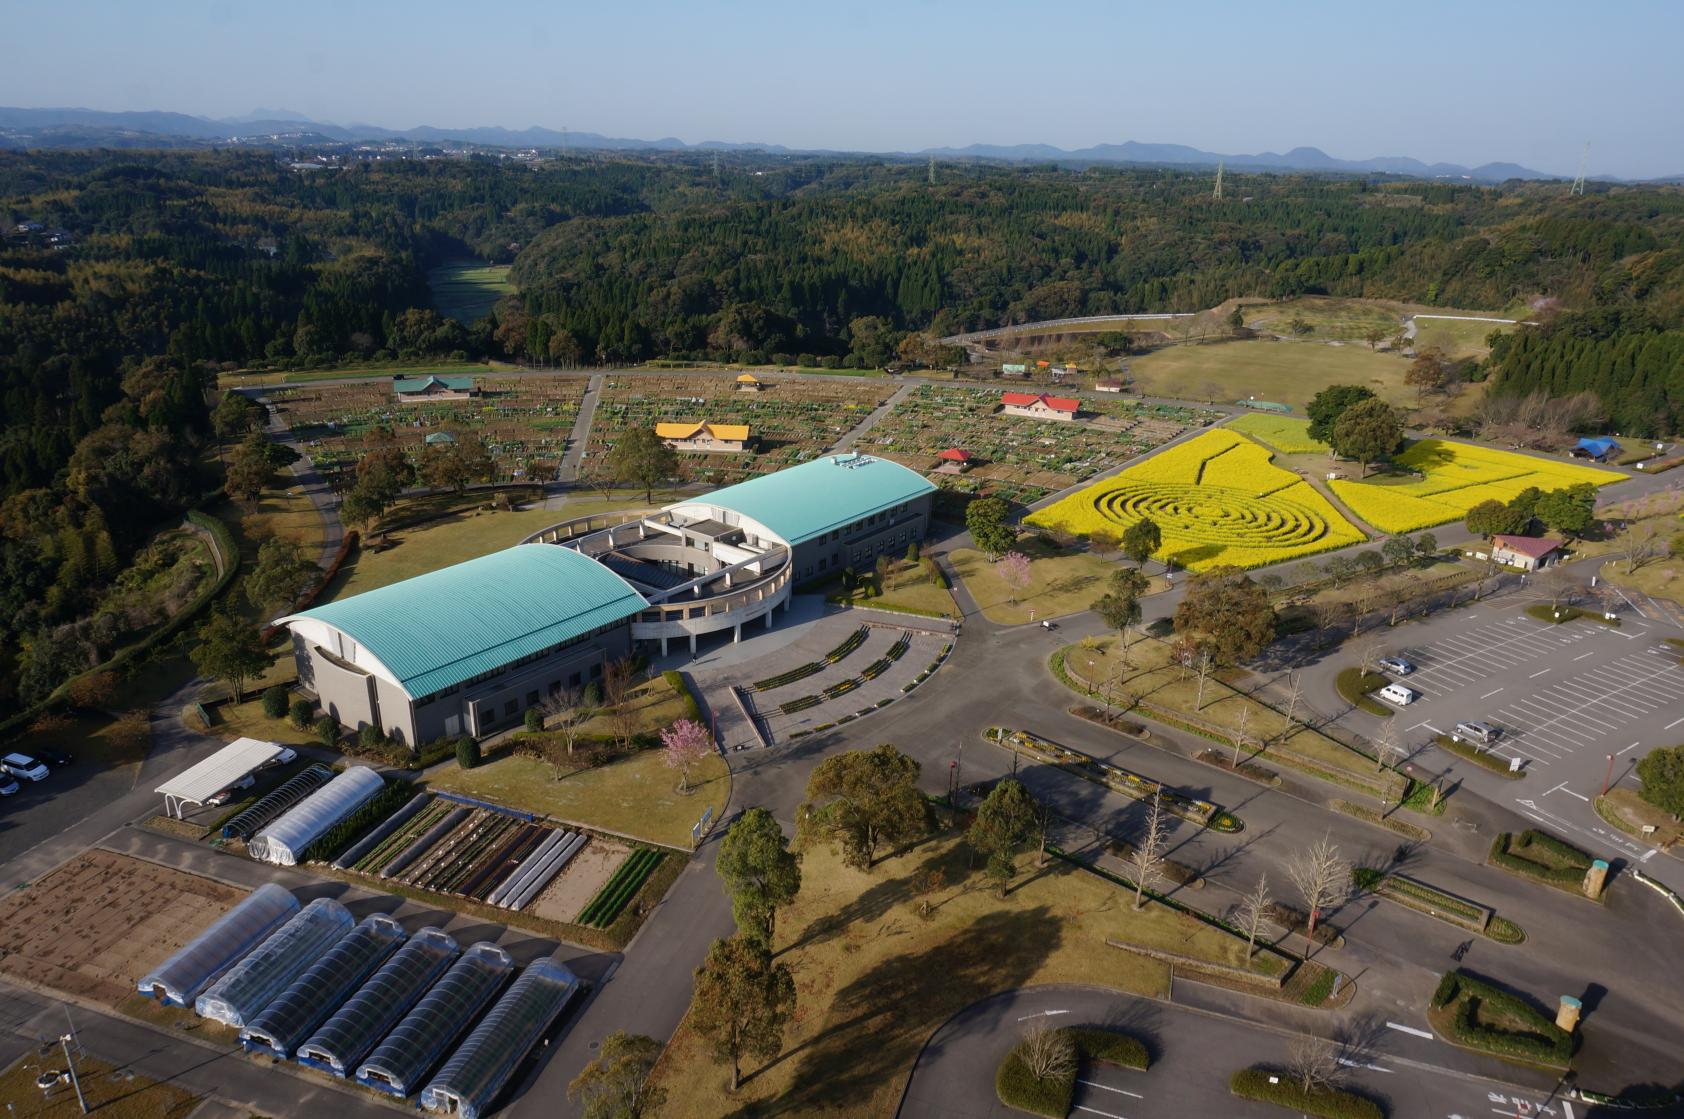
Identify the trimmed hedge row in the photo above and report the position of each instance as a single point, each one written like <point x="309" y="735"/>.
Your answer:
<point x="1325" y="1103"/>
<point x="692" y="707"/>
<point x="1566" y="877"/>
<point x="1018" y="1087"/>
<point x="1461" y="993"/>
<point x="627" y="880"/>
<point x="1111" y="1047"/>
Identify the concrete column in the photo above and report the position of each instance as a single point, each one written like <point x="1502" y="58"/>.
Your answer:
<point x="1595" y="878"/>
<point x="1567" y="1016"/>
<point x="692" y="644"/>
<point x="663" y="646"/>
<point x="768" y="617"/>
<point x="736" y="633"/>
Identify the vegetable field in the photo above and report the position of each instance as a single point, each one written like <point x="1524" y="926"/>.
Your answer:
<point x="1218" y="500"/>
<point x="1283" y="433"/>
<point x="1453" y="478"/>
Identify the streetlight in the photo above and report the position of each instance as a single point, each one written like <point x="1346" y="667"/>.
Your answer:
<point x="1607" y="776"/>
<point x="70" y="1062"/>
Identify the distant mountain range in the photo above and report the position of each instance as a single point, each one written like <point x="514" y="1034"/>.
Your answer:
<point x="86" y="128"/>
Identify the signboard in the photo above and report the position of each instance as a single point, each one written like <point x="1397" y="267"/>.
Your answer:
<point x="1514" y="765"/>
<point x="700" y="826"/>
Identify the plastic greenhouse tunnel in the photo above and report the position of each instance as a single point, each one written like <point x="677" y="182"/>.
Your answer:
<point x="258" y="980"/>
<point x="271" y="805"/>
<point x="320" y="990"/>
<point x="358" y="1026"/>
<point x="478" y="1071"/>
<point x="409" y="1052"/>
<point x="180" y="979"/>
<point x="284" y="840"/>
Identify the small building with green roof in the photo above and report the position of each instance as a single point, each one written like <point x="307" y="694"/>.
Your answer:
<point x="433" y="387"/>
<point x="468" y="648"/>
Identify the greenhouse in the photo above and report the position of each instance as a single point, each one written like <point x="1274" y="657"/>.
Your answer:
<point x="340" y="1045"/>
<point x="480" y="1068"/>
<point x="295" y="789"/>
<point x="284" y="840"/>
<point x="258" y="980"/>
<point x="179" y="979"/>
<point x="319" y="991"/>
<point x="443" y="1015"/>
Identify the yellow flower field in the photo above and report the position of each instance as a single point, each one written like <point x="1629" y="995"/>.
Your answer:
<point x="1218" y="500"/>
<point x="1458" y="477"/>
<point x="1283" y="433"/>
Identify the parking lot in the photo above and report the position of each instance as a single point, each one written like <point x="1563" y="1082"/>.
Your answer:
<point x="1577" y="704"/>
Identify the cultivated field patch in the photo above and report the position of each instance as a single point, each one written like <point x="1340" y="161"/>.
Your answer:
<point x="1285" y="434"/>
<point x="1453" y="478"/>
<point x="1217" y="499"/>
<point x="98" y="923"/>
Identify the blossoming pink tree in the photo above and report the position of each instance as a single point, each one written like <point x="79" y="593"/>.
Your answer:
<point x="683" y="746"/>
<point x="1014" y="571"/>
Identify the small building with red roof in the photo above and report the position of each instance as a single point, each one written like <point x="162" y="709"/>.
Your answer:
<point x="1528" y="553"/>
<point x="954" y="461"/>
<point x="1039" y="406"/>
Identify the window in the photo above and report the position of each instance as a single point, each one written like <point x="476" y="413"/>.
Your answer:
<point x="509" y="707"/>
<point x="822" y="564"/>
<point x="555" y="687"/>
<point x="574" y="680"/>
<point x="531" y="699"/>
<point x="596" y="671"/>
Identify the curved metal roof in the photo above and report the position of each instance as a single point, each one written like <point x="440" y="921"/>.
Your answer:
<point x="455" y="623"/>
<point x="809" y="500"/>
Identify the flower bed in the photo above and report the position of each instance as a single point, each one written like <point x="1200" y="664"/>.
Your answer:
<point x="1217" y="499"/>
<point x="801" y="704"/>
<point x="1285" y="434"/>
<point x="1479" y="1015"/>
<point x="801" y="672"/>
<point x="1544" y="857"/>
<point x="1456" y="477"/>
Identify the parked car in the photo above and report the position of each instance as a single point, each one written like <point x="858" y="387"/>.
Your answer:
<point x="1398" y="694"/>
<point x="24" y="766"/>
<point x="218" y="799"/>
<point x="1397" y="666"/>
<point x="287" y="754"/>
<point x="56" y="758"/>
<point x="1483" y="733"/>
<point x="8" y="787"/>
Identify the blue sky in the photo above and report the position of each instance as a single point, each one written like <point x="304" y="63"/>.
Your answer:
<point x="1462" y="82"/>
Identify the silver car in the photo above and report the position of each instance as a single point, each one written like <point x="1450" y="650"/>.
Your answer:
<point x="1483" y="733"/>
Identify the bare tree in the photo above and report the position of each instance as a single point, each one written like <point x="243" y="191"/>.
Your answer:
<point x="1370" y="652"/>
<point x="1047" y="1053"/>
<point x="1294" y="693"/>
<point x="599" y="475"/>
<point x="616" y="695"/>
<point x="1146" y="860"/>
<point x="1203" y="664"/>
<point x="1386" y="747"/>
<point x="561" y="708"/>
<point x="1313" y="1062"/>
<point x="1241" y="738"/>
<point x="1319" y="875"/>
<point x="1254" y="906"/>
<point x="1557" y="584"/>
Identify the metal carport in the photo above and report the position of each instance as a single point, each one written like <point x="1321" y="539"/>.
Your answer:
<point x="199" y="783"/>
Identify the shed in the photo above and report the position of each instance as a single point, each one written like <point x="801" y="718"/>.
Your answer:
<point x="283" y="841"/>
<point x="256" y="981"/>
<point x="198" y="783"/>
<point x="1597" y="450"/>
<point x="199" y="962"/>
<point x="1528" y="553"/>
<point x="470" y="1082"/>
<point x="954" y="454"/>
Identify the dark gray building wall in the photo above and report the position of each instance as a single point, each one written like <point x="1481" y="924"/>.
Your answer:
<point x="859" y="544"/>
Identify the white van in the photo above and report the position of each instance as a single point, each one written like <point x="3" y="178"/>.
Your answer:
<point x="1398" y="694"/>
<point x="24" y="766"/>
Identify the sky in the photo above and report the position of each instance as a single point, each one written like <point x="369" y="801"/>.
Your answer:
<point x="1466" y="82"/>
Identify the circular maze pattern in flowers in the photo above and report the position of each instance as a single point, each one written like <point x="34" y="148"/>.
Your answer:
<point x="1209" y="514"/>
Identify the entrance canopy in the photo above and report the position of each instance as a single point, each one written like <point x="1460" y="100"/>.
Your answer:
<point x="199" y="783"/>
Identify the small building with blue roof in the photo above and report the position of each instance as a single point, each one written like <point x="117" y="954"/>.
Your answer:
<point x="1597" y="450"/>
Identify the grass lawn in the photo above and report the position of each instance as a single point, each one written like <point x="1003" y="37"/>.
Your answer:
<point x="1060" y="583"/>
<point x="1456" y="338"/>
<point x="247" y="720"/>
<point x="285" y="512"/>
<point x="429" y="547"/>
<point x="1285" y="434"/>
<point x="874" y="979"/>
<point x="1626" y="810"/>
<point x="1153" y="678"/>
<point x="465" y="290"/>
<point x="636" y="795"/>
<point x="908" y="586"/>
<point x="112" y="1093"/>
<point x="88" y="736"/>
<point x="252" y="378"/>
<point x="1342" y="319"/>
<point x="1287" y="372"/>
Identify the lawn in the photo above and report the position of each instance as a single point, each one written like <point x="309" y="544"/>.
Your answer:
<point x="428" y="547"/>
<point x="258" y="378"/>
<point x="466" y="290"/>
<point x="1454" y="478"/>
<point x="1347" y="320"/>
<point x="1060" y="583"/>
<point x="1287" y="372"/>
<point x="112" y="1092"/>
<point x="635" y="795"/>
<point x="1285" y="434"/>
<point x="911" y="587"/>
<point x="874" y="978"/>
<point x="287" y="513"/>
<point x="1153" y="678"/>
<point x="1218" y="499"/>
<point x="1457" y="338"/>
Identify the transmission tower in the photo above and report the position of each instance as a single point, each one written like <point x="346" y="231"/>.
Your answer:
<point x="1579" y="180"/>
<point x="1217" y="194"/>
<point x="932" y="170"/>
<point x="716" y="167"/>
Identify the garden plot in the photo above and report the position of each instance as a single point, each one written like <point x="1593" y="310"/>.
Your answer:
<point x="791" y="421"/>
<point x="98" y="923"/>
<point x="1454" y="477"/>
<point x="586" y="876"/>
<point x="524" y="421"/>
<point x="1218" y="500"/>
<point x="1018" y="458"/>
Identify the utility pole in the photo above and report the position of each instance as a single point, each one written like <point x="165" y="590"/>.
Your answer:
<point x="1217" y="195"/>
<point x="932" y="170"/>
<point x="1579" y="180"/>
<point x="70" y="1062"/>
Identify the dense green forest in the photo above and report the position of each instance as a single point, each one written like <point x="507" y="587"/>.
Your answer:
<point x="139" y="276"/>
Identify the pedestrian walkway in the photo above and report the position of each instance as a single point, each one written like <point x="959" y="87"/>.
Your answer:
<point x="568" y="471"/>
<point x="871" y="421"/>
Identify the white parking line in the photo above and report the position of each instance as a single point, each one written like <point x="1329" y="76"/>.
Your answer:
<point x="1348" y="1063"/>
<point x="1619" y="752"/>
<point x="1410" y="1030"/>
<point x="1108" y="1088"/>
<point x="1582" y="656"/>
<point x="1488" y="695"/>
<point x="1042" y="1014"/>
<point x="1672" y="724"/>
<point x="1537" y="674"/>
<point x="1096" y="1111"/>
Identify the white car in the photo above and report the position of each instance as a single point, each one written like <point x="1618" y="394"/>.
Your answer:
<point x="287" y="754"/>
<point x="1398" y="695"/>
<point x="24" y="766"/>
<point x="222" y="797"/>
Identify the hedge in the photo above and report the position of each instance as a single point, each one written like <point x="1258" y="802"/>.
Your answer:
<point x="1566" y="877"/>
<point x="692" y="707"/>
<point x="1018" y="1087"/>
<point x="1496" y="763"/>
<point x="1325" y="1103"/>
<point x="387" y="801"/>
<point x="1462" y="995"/>
<point x="1355" y="684"/>
<point x="1097" y="1044"/>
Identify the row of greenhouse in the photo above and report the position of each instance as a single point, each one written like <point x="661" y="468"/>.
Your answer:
<point x="364" y="1000"/>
